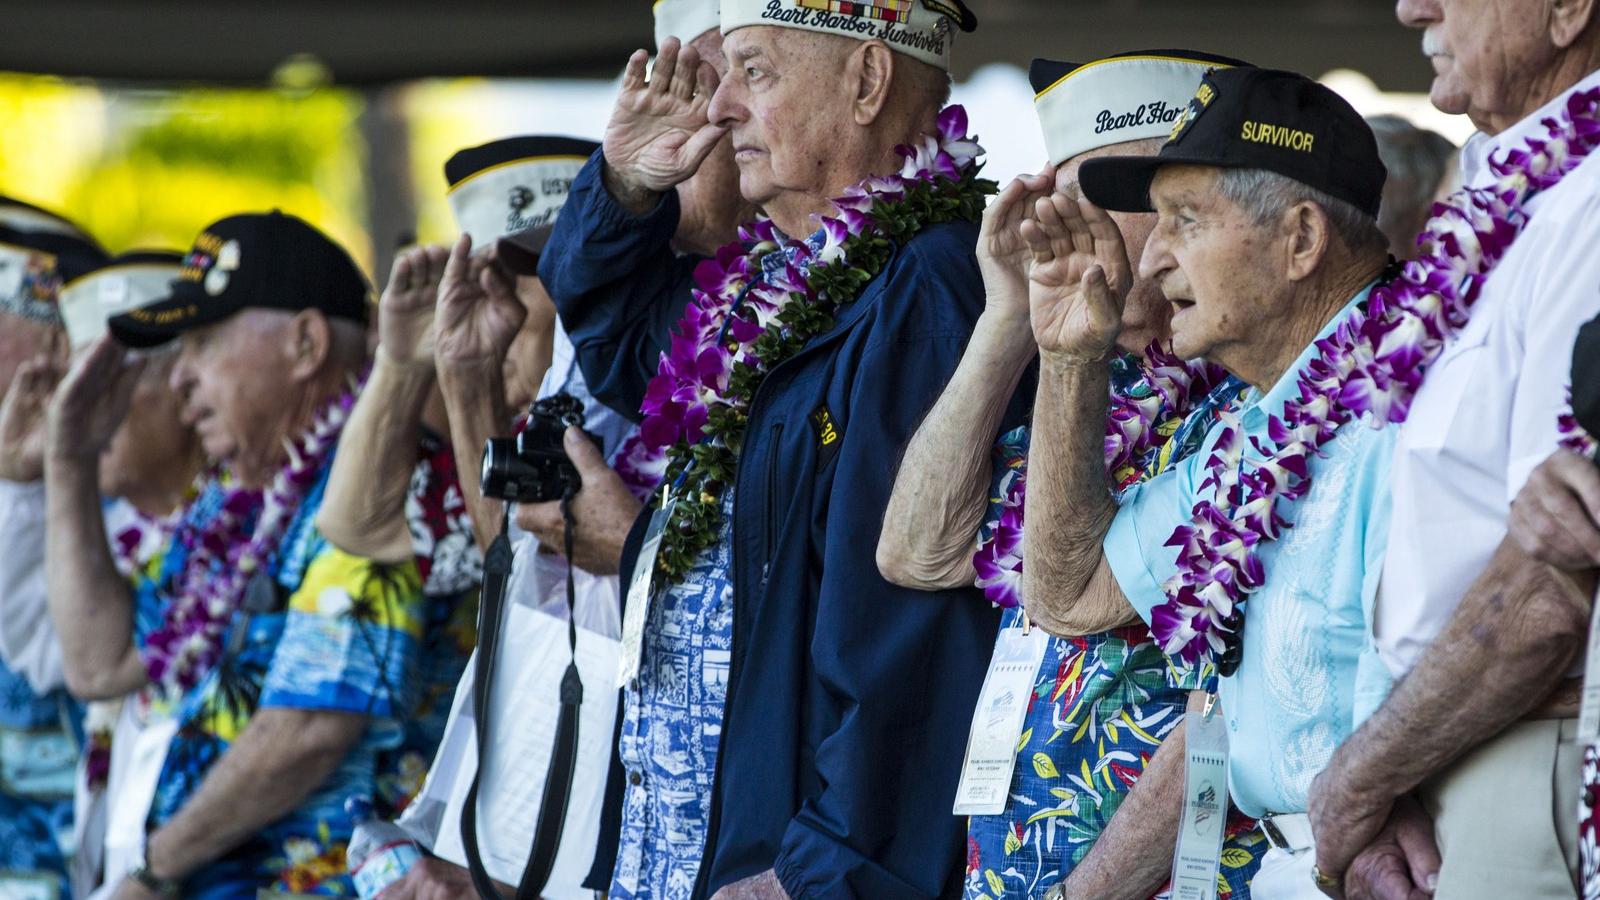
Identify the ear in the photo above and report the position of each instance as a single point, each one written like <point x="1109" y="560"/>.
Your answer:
<point x="1569" y="19"/>
<point x="307" y="343"/>
<point x="1307" y="235"/>
<point x="871" y="69"/>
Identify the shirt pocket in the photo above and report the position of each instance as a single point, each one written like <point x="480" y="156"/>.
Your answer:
<point x="1450" y="402"/>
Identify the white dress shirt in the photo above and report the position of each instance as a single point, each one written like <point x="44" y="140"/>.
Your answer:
<point x="1486" y="414"/>
<point x="28" y="643"/>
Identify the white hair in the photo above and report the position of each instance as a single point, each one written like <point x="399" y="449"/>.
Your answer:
<point x="1266" y="195"/>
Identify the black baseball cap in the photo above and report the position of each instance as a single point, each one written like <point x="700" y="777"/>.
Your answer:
<point x="264" y="260"/>
<point x="510" y="191"/>
<point x="1586" y="377"/>
<point x="1248" y="118"/>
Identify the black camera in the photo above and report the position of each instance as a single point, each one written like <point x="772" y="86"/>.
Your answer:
<point x="533" y="466"/>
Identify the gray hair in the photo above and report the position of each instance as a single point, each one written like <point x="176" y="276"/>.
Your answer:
<point x="1417" y="160"/>
<point x="1265" y="195"/>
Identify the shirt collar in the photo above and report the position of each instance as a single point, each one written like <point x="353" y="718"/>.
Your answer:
<point x="1287" y="387"/>
<point x="1480" y="148"/>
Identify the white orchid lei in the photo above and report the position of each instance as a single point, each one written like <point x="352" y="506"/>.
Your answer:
<point x="746" y="319"/>
<point x="1372" y="365"/>
<point x="226" y="552"/>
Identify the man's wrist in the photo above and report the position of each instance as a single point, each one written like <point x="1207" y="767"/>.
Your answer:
<point x="163" y="875"/>
<point x="635" y="198"/>
<point x="1064" y="361"/>
<point x="414" y="368"/>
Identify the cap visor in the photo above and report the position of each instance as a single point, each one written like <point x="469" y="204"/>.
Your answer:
<point x="520" y="251"/>
<point x="164" y="320"/>
<point x="1120" y="183"/>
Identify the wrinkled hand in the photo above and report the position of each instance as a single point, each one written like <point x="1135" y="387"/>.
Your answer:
<point x="604" y="509"/>
<point x="1003" y="256"/>
<point x="1344" y="820"/>
<point x="1556" y="516"/>
<point x="1078" y="278"/>
<point x="92" y="401"/>
<point x="659" y="133"/>
<point x="22" y="419"/>
<point x="406" y="309"/>
<point x="1403" y="861"/>
<point x="479" y="314"/>
<point x="764" y="886"/>
<point x="434" y="879"/>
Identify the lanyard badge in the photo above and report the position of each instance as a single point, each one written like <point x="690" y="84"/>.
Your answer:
<point x="1205" y="805"/>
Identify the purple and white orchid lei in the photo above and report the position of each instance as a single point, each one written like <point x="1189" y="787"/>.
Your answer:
<point x="1571" y="435"/>
<point x="747" y="316"/>
<point x="1372" y="365"/>
<point x="1136" y="424"/>
<point x="226" y="552"/>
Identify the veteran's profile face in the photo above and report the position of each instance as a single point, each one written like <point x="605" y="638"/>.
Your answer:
<point x="231" y="398"/>
<point x="1482" y="51"/>
<point x="780" y="105"/>
<point x="1210" y="260"/>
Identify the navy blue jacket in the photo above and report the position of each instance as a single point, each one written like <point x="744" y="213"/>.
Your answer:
<point x="849" y="699"/>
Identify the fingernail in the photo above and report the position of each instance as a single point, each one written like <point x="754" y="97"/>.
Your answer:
<point x="1433" y="882"/>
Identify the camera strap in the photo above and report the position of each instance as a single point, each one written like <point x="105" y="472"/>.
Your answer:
<point x="563" y="757"/>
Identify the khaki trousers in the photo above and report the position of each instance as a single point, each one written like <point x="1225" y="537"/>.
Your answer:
<point x="1506" y="815"/>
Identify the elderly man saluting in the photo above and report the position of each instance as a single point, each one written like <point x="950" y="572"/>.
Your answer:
<point x="1267" y="247"/>
<point x="272" y="669"/>
<point x="788" y="715"/>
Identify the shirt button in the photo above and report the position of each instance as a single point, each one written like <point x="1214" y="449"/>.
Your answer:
<point x="634" y="778"/>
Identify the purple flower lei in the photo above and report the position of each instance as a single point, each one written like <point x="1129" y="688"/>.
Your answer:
<point x="223" y="555"/>
<point x="1372" y="365"/>
<point x="1570" y="435"/>
<point x="1134" y="427"/>
<point x="745" y="318"/>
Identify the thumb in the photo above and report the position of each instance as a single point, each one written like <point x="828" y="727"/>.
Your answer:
<point x="1103" y="312"/>
<point x="582" y="451"/>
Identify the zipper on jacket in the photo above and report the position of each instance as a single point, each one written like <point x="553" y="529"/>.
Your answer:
<point x="770" y="537"/>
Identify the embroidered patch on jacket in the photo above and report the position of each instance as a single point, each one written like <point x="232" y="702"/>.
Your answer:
<point x="829" y="435"/>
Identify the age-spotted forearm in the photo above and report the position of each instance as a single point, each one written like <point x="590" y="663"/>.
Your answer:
<point x="1066" y="585"/>
<point x="474" y="400"/>
<point x="90" y="603"/>
<point x="364" y="510"/>
<point x="941" y="491"/>
<point x="1507" y="646"/>
<point x="283" y="756"/>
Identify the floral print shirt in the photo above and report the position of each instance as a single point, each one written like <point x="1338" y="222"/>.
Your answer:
<point x="344" y="636"/>
<point x="1101" y="706"/>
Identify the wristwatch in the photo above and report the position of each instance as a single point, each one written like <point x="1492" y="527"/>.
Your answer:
<point x="166" y="887"/>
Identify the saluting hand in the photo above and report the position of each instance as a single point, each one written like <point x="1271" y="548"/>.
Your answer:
<point x="1078" y="279"/>
<point x="659" y="133"/>
<point x="406" y="309"/>
<point x="22" y="419"/>
<point x="1003" y="256"/>
<point x="479" y="314"/>
<point x="92" y="401"/>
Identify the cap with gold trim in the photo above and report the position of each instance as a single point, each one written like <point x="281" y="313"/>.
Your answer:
<point x="129" y="281"/>
<point x="921" y="29"/>
<point x="511" y="190"/>
<point x="1248" y="118"/>
<point x="1129" y="96"/>
<point x="39" y="251"/>
<point x="256" y="260"/>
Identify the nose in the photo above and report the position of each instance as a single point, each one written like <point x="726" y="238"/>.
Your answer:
<point x="182" y="375"/>
<point x="726" y="108"/>
<point x="1418" y="13"/>
<point x="1157" y="258"/>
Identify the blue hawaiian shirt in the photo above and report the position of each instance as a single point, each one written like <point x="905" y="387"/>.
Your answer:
<point x="1101" y="705"/>
<point x="38" y="761"/>
<point x="344" y="637"/>
<point x="672" y="724"/>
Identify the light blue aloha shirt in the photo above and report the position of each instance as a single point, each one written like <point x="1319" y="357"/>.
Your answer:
<point x="1309" y="671"/>
<point x="672" y="726"/>
<point x="1101" y="705"/>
